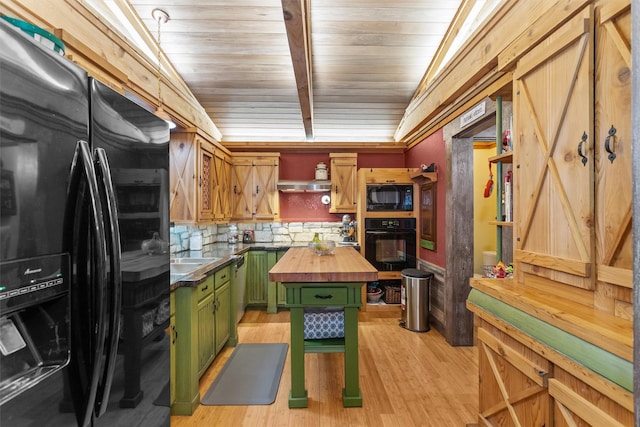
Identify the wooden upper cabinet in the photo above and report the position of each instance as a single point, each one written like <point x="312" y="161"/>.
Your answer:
<point x="613" y="190"/>
<point x="554" y="156"/>
<point x="200" y="179"/>
<point x="241" y="183"/>
<point x="206" y="180"/>
<point x="253" y="186"/>
<point x="344" y="182"/>
<point x="182" y="177"/>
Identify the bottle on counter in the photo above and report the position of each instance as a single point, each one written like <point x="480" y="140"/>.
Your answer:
<point x="233" y="234"/>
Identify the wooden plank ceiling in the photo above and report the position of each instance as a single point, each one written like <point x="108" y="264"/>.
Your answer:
<point x="350" y="72"/>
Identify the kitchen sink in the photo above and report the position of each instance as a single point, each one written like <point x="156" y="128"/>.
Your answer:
<point x="186" y="266"/>
<point x="194" y="260"/>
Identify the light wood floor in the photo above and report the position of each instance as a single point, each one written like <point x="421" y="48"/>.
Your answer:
<point x="407" y="379"/>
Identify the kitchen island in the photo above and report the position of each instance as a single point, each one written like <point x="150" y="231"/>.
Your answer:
<point x="314" y="281"/>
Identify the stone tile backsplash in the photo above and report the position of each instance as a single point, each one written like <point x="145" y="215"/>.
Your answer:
<point x="265" y="232"/>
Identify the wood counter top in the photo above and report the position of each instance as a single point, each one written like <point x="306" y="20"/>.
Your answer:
<point x="138" y="265"/>
<point x="303" y="265"/>
<point x="602" y="329"/>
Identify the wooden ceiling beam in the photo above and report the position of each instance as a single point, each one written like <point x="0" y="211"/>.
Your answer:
<point x="298" y="24"/>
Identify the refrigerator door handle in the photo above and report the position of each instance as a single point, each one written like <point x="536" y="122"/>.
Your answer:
<point x="89" y="256"/>
<point x="114" y="288"/>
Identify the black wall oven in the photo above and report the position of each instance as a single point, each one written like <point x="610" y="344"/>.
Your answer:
<point x="390" y="243"/>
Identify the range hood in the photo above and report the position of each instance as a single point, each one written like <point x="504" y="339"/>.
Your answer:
<point x="316" y="186"/>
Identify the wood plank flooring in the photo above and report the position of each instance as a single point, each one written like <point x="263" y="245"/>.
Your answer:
<point x="407" y="379"/>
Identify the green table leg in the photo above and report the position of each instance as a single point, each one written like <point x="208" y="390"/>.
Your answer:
<point x="351" y="395"/>
<point x="298" y="394"/>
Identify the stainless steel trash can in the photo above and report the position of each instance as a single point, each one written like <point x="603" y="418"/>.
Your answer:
<point x="414" y="299"/>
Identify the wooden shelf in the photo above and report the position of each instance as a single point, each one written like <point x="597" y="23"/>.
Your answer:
<point x="503" y="158"/>
<point x="502" y="223"/>
<point x="421" y="177"/>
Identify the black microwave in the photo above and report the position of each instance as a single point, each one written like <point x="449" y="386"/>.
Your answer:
<point x="389" y="197"/>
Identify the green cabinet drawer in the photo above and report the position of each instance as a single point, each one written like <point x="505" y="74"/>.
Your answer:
<point x="205" y="288"/>
<point x="324" y="296"/>
<point x="222" y="276"/>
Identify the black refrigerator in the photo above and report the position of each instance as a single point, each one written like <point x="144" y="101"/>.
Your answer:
<point x="83" y="184"/>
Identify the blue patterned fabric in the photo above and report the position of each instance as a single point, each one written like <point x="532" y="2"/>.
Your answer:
<point x="322" y="323"/>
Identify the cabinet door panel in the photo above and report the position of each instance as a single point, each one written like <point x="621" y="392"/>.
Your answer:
<point x="265" y="176"/>
<point x="552" y="110"/>
<point x="513" y="387"/>
<point x="257" y="277"/>
<point x="241" y="196"/>
<point x="343" y="185"/>
<point x="206" y="182"/>
<point x="223" y="316"/>
<point x="613" y="185"/>
<point x="205" y="334"/>
<point x="182" y="199"/>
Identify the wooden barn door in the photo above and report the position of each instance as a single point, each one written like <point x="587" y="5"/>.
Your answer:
<point x="553" y="156"/>
<point x="613" y="197"/>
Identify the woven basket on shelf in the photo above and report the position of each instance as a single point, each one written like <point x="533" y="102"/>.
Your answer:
<point x="392" y="294"/>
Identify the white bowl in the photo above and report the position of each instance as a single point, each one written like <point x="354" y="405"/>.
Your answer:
<point x="374" y="296"/>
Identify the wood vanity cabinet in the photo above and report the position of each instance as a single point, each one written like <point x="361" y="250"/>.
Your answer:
<point x="344" y="182"/>
<point x="253" y="186"/>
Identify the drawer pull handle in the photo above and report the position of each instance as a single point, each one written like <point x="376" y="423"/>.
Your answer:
<point x="608" y="144"/>
<point x="205" y="288"/>
<point x="317" y="296"/>
<point x="582" y="141"/>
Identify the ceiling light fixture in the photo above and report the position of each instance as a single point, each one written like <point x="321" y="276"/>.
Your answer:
<point x="161" y="17"/>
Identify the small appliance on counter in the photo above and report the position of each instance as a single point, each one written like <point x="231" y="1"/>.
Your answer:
<point x="348" y="229"/>
<point x="248" y="236"/>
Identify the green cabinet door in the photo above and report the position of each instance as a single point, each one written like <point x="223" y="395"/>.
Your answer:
<point x="222" y="316"/>
<point x="206" y="322"/>
<point x="281" y="291"/>
<point x="257" y="277"/>
<point x="173" y="336"/>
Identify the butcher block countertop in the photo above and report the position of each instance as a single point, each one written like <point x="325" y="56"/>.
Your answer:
<point x="303" y="265"/>
<point x="138" y="265"/>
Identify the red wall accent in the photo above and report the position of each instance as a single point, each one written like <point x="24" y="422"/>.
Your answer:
<point x="432" y="150"/>
<point x="306" y="207"/>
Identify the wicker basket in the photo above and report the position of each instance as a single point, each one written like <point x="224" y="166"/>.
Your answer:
<point x="392" y="294"/>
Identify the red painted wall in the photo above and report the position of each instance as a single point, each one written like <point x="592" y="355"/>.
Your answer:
<point x="432" y="150"/>
<point x="306" y="207"/>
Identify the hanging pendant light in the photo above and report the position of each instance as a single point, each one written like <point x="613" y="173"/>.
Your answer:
<point x="161" y="17"/>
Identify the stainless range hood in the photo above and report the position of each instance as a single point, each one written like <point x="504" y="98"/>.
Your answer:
<point x="316" y="186"/>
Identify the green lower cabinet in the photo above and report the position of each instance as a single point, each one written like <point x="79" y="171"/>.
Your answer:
<point x="173" y="336"/>
<point x="206" y="321"/>
<point x="257" y="277"/>
<point x="202" y="327"/>
<point x="222" y="316"/>
<point x="278" y="294"/>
